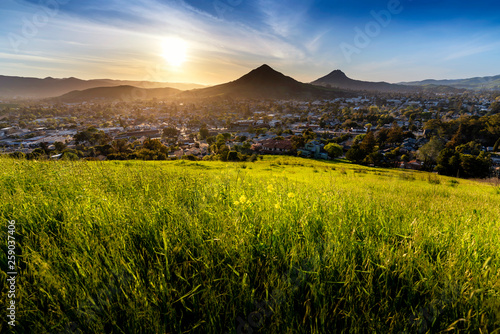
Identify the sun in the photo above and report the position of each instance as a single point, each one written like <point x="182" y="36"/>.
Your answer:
<point x="175" y="51"/>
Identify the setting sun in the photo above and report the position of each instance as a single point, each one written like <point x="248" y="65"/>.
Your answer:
<point x="175" y="51"/>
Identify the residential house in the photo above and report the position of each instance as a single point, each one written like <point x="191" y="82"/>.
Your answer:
<point x="273" y="146"/>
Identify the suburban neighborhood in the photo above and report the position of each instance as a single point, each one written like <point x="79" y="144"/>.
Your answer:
<point x="402" y="124"/>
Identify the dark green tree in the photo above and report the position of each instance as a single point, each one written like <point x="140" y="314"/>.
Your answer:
<point x="448" y="162"/>
<point x="170" y="134"/>
<point x="355" y="154"/>
<point x="60" y="146"/>
<point x="395" y="135"/>
<point x="334" y="150"/>
<point x="429" y="152"/>
<point x="368" y="144"/>
<point x="204" y="133"/>
<point x="475" y="167"/>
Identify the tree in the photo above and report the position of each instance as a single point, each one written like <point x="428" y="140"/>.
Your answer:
<point x="170" y="134"/>
<point x="69" y="156"/>
<point x="154" y="145"/>
<point x="368" y="144"/>
<point x="211" y="140"/>
<point x="458" y="138"/>
<point x="355" y="154"/>
<point x="497" y="145"/>
<point x="37" y="153"/>
<point x="469" y="148"/>
<point x="232" y="156"/>
<point x="297" y="142"/>
<point x="448" y="162"/>
<point x="495" y="107"/>
<point x="92" y="136"/>
<point x="382" y="137"/>
<point x="59" y="146"/>
<point x="375" y="158"/>
<point x="475" y="166"/>
<point x="334" y="150"/>
<point x="204" y="133"/>
<point x="429" y="152"/>
<point x="17" y="155"/>
<point x="308" y="134"/>
<point x="121" y="146"/>
<point x="395" y="135"/>
<point x="45" y="147"/>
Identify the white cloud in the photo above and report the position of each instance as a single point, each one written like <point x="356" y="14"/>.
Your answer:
<point x="283" y="17"/>
<point x="470" y="50"/>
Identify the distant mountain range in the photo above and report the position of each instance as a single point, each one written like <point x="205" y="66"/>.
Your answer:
<point x="21" y="87"/>
<point x="118" y="93"/>
<point x="478" y="83"/>
<point x="261" y="83"/>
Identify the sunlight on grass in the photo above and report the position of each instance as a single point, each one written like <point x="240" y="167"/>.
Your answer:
<point x="171" y="247"/>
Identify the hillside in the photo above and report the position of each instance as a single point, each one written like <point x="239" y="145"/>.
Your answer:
<point x="264" y="82"/>
<point x="477" y="83"/>
<point x="22" y="87"/>
<point x="283" y="245"/>
<point x="119" y="93"/>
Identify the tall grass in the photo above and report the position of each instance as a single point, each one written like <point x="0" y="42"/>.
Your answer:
<point x="276" y="246"/>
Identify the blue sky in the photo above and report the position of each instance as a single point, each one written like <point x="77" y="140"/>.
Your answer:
<point x="393" y="40"/>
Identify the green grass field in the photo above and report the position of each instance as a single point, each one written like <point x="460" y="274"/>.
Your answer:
<point x="283" y="245"/>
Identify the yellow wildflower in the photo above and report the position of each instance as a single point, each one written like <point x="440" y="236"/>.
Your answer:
<point x="243" y="199"/>
<point x="270" y="188"/>
<point x="291" y="195"/>
<point x="277" y="205"/>
<point x="236" y="203"/>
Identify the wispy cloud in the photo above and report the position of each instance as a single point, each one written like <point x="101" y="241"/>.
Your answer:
<point x="284" y="18"/>
<point x="98" y="38"/>
<point x="469" y="49"/>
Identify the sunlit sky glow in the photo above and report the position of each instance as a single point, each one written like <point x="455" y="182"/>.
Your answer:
<point x="211" y="42"/>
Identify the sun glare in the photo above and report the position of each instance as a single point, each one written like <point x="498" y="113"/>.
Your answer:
<point x="175" y="51"/>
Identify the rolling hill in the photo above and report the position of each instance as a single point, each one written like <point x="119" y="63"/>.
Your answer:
<point x="21" y="87"/>
<point x="119" y="93"/>
<point x="477" y="83"/>
<point x="280" y="245"/>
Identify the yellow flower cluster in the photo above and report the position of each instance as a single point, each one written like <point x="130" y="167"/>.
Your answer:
<point x="243" y="200"/>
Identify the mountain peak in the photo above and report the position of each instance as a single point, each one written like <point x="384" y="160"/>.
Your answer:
<point x="265" y="67"/>
<point x="265" y="73"/>
<point x="337" y="74"/>
<point x="264" y="70"/>
<point x="264" y="82"/>
<point x="338" y="79"/>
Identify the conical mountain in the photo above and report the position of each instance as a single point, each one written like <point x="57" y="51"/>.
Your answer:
<point x="338" y="79"/>
<point x="263" y="82"/>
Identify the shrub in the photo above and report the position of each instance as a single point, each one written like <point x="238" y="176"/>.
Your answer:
<point x="17" y="155"/>
<point x="433" y="179"/>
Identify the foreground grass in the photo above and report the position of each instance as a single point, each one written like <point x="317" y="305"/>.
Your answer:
<point x="281" y="245"/>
